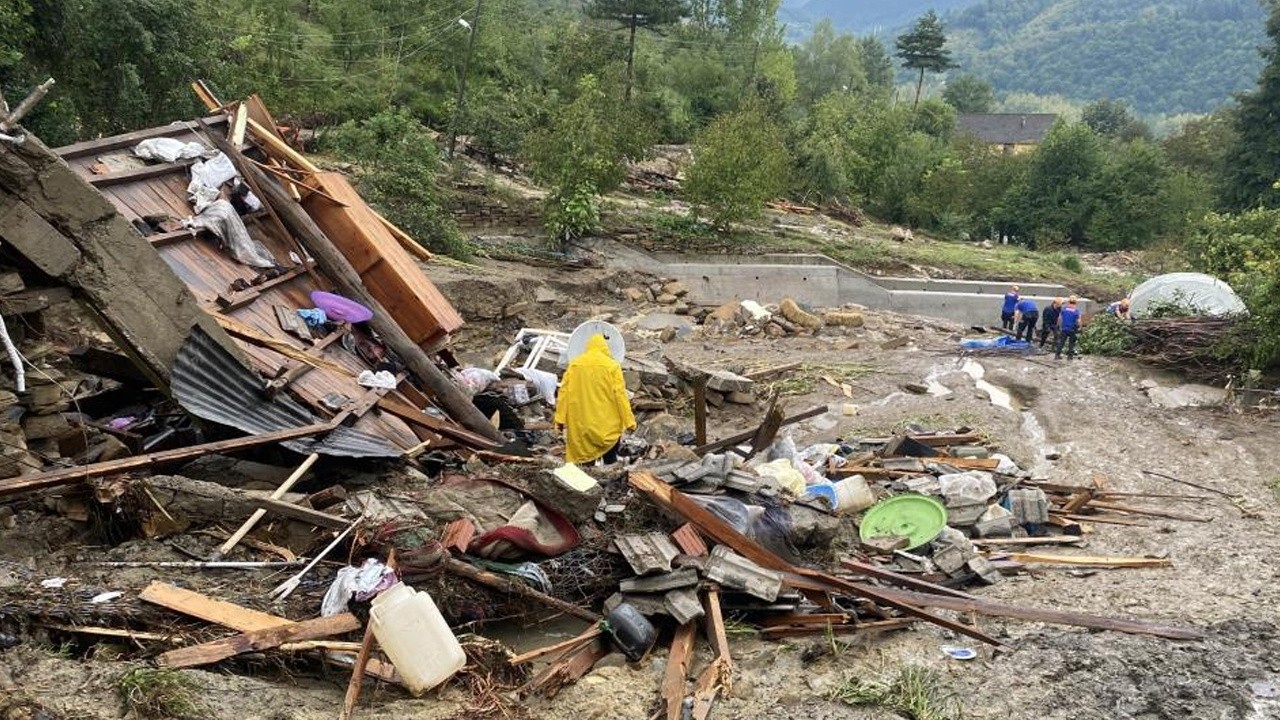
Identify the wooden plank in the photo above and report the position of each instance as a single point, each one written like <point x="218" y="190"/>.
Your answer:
<point x="573" y="665"/>
<point x="298" y="512"/>
<point x="1054" y="617"/>
<point x="1107" y="520"/>
<point x="781" y="633"/>
<point x="808" y="619"/>
<point x="128" y="140"/>
<point x="414" y="416"/>
<point x="352" y="696"/>
<point x="293" y="370"/>
<point x="66" y="476"/>
<point x="1149" y="512"/>
<point x="767" y="373"/>
<point x="162" y="239"/>
<point x="267" y="639"/>
<point x="135" y="635"/>
<point x="1077" y="501"/>
<point x="677" y="672"/>
<point x="142" y="173"/>
<point x="237" y="300"/>
<point x="905" y="581"/>
<point x="1047" y="540"/>
<point x="944" y="440"/>
<point x="1090" y="560"/>
<point x="969" y="463"/>
<point x="206" y="608"/>
<point x="257" y="515"/>
<point x="239" y="124"/>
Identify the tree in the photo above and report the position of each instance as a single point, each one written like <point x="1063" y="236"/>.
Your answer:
<point x="1114" y="119"/>
<point x="924" y="48"/>
<point x="1253" y="163"/>
<point x="827" y="62"/>
<point x="740" y="162"/>
<point x="635" y="14"/>
<point x="1055" y="200"/>
<point x="969" y="94"/>
<point x="581" y="154"/>
<point x="876" y="63"/>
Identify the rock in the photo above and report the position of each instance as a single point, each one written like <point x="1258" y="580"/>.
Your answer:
<point x="1189" y="395"/>
<point x="41" y="427"/>
<point x="915" y="388"/>
<point x="843" y="318"/>
<point x="682" y="308"/>
<point x="774" y="330"/>
<point x="666" y="299"/>
<point x="667" y="335"/>
<point x="715" y="399"/>
<point x="544" y="294"/>
<point x="634" y="294"/>
<point x="901" y="234"/>
<point x="663" y="321"/>
<point x="793" y="313"/>
<point x="741" y="398"/>
<point x="515" y="309"/>
<point x="725" y="381"/>
<point x="895" y="343"/>
<point x="675" y="287"/>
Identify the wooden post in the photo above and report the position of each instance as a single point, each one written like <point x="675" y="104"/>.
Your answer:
<point x="336" y="265"/>
<point x="700" y="411"/>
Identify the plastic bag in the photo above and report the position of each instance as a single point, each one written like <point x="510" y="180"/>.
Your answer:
<point x="1007" y="466"/>
<point x="546" y="382"/>
<point x="970" y="487"/>
<point x="361" y="583"/>
<point x="474" y="379"/>
<point x="784" y="473"/>
<point x="168" y="150"/>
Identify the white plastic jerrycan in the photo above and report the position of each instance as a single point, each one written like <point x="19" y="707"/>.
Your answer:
<point x="415" y="636"/>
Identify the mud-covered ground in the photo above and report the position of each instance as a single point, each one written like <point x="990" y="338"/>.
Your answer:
<point x="1092" y="414"/>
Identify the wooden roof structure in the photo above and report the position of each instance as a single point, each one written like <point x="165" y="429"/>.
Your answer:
<point x="320" y="373"/>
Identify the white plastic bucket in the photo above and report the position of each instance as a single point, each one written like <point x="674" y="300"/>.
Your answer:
<point x="853" y="494"/>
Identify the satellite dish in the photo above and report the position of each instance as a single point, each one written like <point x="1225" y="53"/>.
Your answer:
<point x="582" y="333"/>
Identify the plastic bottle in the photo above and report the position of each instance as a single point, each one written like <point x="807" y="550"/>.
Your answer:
<point x="415" y="636"/>
<point x="853" y="494"/>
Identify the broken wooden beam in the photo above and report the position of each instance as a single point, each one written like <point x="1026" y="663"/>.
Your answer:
<point x="745" y="436"/>
<point x="299" y="512"/>
<point x="561" y="648"/>
<point x="208" y="609"/>
<point x="266" y="639"/>
<point x="1090" y="560"/>
<point x="677" y="672"/>
<point x="1054" y="617"/>
<point x="66" y="476"/>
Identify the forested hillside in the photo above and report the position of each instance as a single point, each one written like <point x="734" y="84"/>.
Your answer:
<point x="865" y="16"/>
<point x="559" y="92"/>
<point x="1163" y="56"/>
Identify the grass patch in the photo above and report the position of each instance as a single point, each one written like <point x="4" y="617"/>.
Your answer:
<point x="154" y="693"/>
<point x="1274" y="484"/>
<point x="914" y="692"/>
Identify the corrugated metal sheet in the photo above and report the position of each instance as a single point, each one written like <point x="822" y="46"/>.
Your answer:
<point x="212" y="385"/>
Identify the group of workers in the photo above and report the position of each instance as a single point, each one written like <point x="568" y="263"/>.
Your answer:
<point x="1061" y="319"/>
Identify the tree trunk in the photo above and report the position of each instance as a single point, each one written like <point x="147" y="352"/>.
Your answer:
<point x="631" y="55"/>
<point x="919" y="85"/>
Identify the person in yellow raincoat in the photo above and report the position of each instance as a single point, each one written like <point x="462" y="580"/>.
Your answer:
<point x="592" y="405"/>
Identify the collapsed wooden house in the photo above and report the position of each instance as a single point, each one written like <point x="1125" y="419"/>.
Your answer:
<point x="117" y="230"/>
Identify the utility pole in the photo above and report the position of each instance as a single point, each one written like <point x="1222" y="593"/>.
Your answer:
<point x="462" y="84"/>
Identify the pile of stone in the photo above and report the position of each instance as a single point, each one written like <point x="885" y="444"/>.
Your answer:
<point x="748" y="318"/>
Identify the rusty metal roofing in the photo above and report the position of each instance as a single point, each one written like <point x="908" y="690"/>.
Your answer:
<point x="138" y="189"/>
<point x="212" y="385"/>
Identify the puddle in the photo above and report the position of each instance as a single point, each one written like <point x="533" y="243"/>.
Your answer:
<point x="1035" y="435"/>
<point x="1000" y="397"/>
<point x="936" y="388"/>
<point x="524" y="634"/>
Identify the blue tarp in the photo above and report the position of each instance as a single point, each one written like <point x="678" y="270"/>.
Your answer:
<point x="1004" y="342"/>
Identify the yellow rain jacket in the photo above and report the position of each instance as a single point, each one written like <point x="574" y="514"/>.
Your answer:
<point x="592" y="403"/>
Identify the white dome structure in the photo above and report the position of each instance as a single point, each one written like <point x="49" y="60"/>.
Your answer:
<point x="1205" y="294"/>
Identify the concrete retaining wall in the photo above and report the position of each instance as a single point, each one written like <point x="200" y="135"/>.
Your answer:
<point x="820" y="281"/>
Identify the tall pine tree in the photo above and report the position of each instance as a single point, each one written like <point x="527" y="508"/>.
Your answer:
<point x="924" y="48"/>
<point x="1252" y="164"/>
<point x="635" y="14"/>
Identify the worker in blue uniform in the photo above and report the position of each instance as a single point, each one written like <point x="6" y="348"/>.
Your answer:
<point x="1049" y="322"/>
<point x="1007" y="309"/>
<point x="1026" y="315"/>
<point x="1068" y="328"/>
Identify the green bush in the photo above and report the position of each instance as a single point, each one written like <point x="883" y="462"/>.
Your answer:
<point x="1072" y="263"/>
<point x="1106" y="334"/>
<point x="740" y="162"/>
